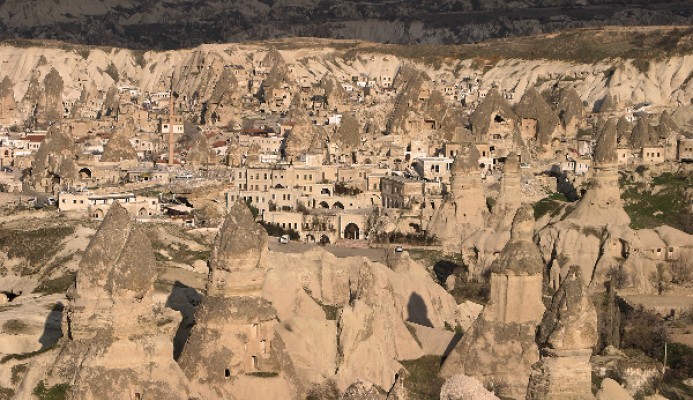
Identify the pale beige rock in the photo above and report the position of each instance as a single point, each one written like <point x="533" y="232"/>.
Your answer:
<point x="571" y="321"/>
<point x="314" y="359"/>
<point x="433" y="341"/>
<point x="235" y="262"/>
<point x="119" y="148"/>
<point x="516" y="278"/>
<point x="567" y="334"/>
<point x="54" y="163"/>
<point x="506" y="328"/>
<point x="367" y="303"/>
<point x="119" y="342"/>
<point x="464" y="209"/>
<point x="611" y="390"/>
<point x="362" y="390"/>
<point x="234" y="341"/>
<point x="200" y="152"/>
<point x="509" y="199"/>
<point x="463" y="387"/>
<point x="602" y="203"/>
<point x="8" y="106"/>
<point x="468" y="313"/>
<point x="537" y="121"/>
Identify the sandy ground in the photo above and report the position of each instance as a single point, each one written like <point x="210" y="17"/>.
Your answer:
<point x="40" y="318"/>
<point x="653" y="301"/>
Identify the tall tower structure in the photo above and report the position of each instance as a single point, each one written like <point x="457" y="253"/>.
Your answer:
<point x="171" y="142"/>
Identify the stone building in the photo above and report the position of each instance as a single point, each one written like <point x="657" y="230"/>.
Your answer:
<point x="399" y="192"/>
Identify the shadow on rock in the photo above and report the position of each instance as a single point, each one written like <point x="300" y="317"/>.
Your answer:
<point x="183" y="299"/>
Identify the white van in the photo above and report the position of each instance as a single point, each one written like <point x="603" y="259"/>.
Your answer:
<point x="284" y="239"/>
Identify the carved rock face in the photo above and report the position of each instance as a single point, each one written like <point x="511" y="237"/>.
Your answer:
<point x="466" y="161"/>
<point x="55" y="157"/>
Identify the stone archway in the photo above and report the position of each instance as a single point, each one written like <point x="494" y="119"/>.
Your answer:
<point x="98" y="213"/>
<point x="338" y="205"/>
<point x="352" y="231"/>
<point x="85" y="173"/>
<point x="324" y="204"/>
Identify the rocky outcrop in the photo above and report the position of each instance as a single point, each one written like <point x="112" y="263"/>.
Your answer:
<point x="335" y="95"/>
<point x="464" y="209"/>
<point x="486" y="113"/>
<point x="119" y="342"/>
<point x="54" y="162"/>
<point x="233" y="346"/>
<point x="537" y="122"/>
<point x="463" y="387"/>
<point x="236" y="261"/>
<point x="50" y="101"/>
<point x="200" y="152"/>
<point x="349" y="133"/>
<point x="447" y="118"/>
<point x="350" y="315"/>
<point x="506" y="328"/>
<point x="602" y="203"/>
<point x="591" y="236"/>
<point x="567" y="334"/>
<point x="287" y="322"/>
<point x="480" y="249"/>
<point x="608" y="104"/>
<point x="623" y="131"/>
<point x="509" y="198"/>
<point x="570" y="111"/>
<point x="8" y="106"/>
<point x="611" y="390"/>
<point x="119" y="148"/>
<point x="642" y="135"/>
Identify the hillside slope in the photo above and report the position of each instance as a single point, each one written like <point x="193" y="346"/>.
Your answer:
<point x="633" y="65"/>
<point x="159" y="24"/>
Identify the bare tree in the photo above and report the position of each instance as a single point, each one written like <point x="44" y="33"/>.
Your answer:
<point x="682" y="269"/>
<point x="661" y="278"/>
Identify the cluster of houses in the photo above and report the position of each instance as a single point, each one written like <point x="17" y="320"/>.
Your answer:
<point x="327" y="192"/>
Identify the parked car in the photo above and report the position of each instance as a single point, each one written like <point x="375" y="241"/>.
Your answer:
<point x="6" y="169"/>
<point x="284" y="239"/>
<point x="398" y="249"/>
<point x="50" y="201"/>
